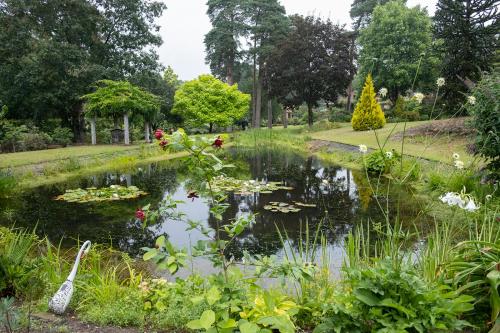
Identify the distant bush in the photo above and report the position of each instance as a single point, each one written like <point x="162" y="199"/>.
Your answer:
<point x="368" y="114"/>
<point x="340" y="115"/>
<point x="62" y="136"/>
<point x="485" y="110"/>
<point x="323" y="125"/>
<point x="34" y="140"/>
<point x="406" y="110"/>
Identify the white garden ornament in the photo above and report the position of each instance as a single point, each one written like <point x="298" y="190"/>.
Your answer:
<point x="60" y="301"/>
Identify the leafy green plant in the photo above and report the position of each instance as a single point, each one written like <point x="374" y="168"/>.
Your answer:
<point x="385" y="298"/>
<point x="9" y="315"/>
<point x="114" y="192"/>
<point x="62" y="136"/>
<point x="380" y="162"/>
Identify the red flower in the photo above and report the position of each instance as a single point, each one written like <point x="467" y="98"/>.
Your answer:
<point x="159" y="134"/>
<point x="139" y="214"/>
<point x="193" y="195"/>
<point x="218" y="142"/>
<point x="164" y="144"/>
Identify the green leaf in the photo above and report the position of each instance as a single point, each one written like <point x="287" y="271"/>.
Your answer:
<point x="366" y="296"/>
<point x="213" y="295"/>
<point x="205" y="322"/>
<point x="230" y="323"/>
<point x="160" y="241"/>
<point x="247" y="327"/>
<point x="150" y="254"/>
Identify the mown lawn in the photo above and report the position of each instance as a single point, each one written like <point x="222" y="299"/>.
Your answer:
<point x="50" y="155"/>
<point x="438" y="149"/>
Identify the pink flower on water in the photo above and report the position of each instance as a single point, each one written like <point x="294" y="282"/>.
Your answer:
<point x="139" y="214"/>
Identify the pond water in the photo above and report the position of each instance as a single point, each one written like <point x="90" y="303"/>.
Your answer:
<point x="342" y="197"/>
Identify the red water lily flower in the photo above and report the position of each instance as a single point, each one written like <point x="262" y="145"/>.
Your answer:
<point x="139" y="214"/>
<point x="218" y="142"/>
<point x="193" y="195"/>
<point x="159" y="134"/>
<point x="164" y="144"/>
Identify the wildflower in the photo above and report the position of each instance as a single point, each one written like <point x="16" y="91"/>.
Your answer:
<point x="456" y="156"/>
<point x="164" y="144"/>
<point x="218" y="142"/>
<point x="193" y="195"/>
<point x="440" y="82"/>
<point x="383" y="92"/>
<point x="325" y="182"/>
<point x="459" y="164"/>
<point x="471" y="100"/>
<point x="471" y="206"/>
<point x="363" y="149"/>
<point x="139" y="214"/>
<point x="462" y="200"/>
<point x="159" y="134"/>
<point x="419" y="97"/>
<point x="388" y="154"/>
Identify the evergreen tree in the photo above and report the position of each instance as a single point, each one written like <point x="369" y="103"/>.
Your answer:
<point x="469" y="32"/>
<point x="361" y="12"/>
<point x="368" y="114"/>
<point x="222" y="41"/>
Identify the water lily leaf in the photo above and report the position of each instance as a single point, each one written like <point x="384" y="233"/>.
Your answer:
<point x="91" y="194"/>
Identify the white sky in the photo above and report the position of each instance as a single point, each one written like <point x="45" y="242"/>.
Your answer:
<point x="185" y="23"/>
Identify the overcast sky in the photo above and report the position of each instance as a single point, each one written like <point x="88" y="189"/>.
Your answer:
<point x="185" y="23"/>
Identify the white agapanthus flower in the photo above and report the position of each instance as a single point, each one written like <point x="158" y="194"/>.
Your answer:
<point x="459" y="164"/>
<point x="456" y="156"/>
<point x="363" y="149"/>
<point x="440" y="82"/>
<point x="383" y="92"/>
<point x="419" y="97"/>
<point x="388" y="154"/>
<point x="462" y="200"/>
<point x="471" y="100"/>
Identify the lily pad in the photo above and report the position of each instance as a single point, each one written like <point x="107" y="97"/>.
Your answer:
<point x="92" y="194"/>
<point x="246" y="187"/>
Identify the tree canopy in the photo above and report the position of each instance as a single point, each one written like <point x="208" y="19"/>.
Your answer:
<point x="209" y="101"/>
<point x="116" y="98"/>
<point x="311" y="64"/>
<point x="396" y="44"/>
<point x="469" y="33"/>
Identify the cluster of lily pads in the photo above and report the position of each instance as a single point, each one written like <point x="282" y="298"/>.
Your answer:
<point x="92" y="194"/>
<point x="283" y="207"/>
<point x="246" y="187"/>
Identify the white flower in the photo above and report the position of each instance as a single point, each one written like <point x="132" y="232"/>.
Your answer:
<point x="325" y="182"/>
<point x="456" y="156"/>
<point x="489" y="197"/>
<point x="440" y="82"/>
<point x="363" y="149"/>
<point x="116" y="196"/>
<point x="452" y="199"/>
<point x="383" y="92"/>
<point x="471" y="206"/>
<point x="459" y="164"/>
<point x="388" y="154"/>
<point x="471" y="100"/>
<point x="419" y="97"/>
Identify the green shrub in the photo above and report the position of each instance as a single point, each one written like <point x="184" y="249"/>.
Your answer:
<point x="340" y="115"/>
<point x="62" y="136"/>
<point x="368" y="114"/>
<point x="380" y="161"/>
<point x="35" y="140"/>
<point x="7" y="183"/>
<point x="385" y="298"/>
<point x="485" y="113"/>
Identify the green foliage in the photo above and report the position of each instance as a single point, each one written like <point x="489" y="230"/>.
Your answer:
<point x="368" y="114"/>
<point x="406" y="110"/>
<point x="468" y="35"/>
<point x="380" y="162"/>
<point x="62" y="136"/>
<point x="385" y="298"/>
<point x="9" y="315"/>
<point x="7" y="183"/>
<point x="486" y="120"/>
<point x="207" y="100"/>
<point x="116" y="98"/>
<point x="394" y="46"/>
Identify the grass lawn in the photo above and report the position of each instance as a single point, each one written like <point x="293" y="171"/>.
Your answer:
<point x="440" y="149"/>
<point x="50" y="155"/>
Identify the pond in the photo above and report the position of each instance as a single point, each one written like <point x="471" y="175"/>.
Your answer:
<point x="342" y="198"/>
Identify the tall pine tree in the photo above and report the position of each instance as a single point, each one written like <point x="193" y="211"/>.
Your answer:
<point x="469" y="31"/>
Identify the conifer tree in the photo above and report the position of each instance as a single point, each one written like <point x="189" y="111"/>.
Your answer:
<point x="368" y="113"/>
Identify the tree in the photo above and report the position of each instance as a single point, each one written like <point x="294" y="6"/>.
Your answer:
<point x="207" y="100"/>
<point x="395" y="45"/>
<point x="267" y="25"/>
<point x="120" y="98"/>
<point x="311" y="64"/>
<point x="368" y="114"/>
<point x="52" y="51"/>
<point x="222" y="41"/>
<point x="469" y="33"/>
<point x="361" y="12"/>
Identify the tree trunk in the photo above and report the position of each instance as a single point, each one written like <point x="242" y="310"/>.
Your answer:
<point x="349" y="98"/>
<point x="211" y="128"/>
<point x="126" y="129"/>
<point x="285" y="118"/>
<point x="78" y="123"/>
<point x="229" y="73"/>
<point x="258" y="101"/>
<point x="92" y="131"/>
<point x="310" y="119"/>
<point x="269" y="113"/>
<point x="146" y="132"/>
<point x="254" y="85"/>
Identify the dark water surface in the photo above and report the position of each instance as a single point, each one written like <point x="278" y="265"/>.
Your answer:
<point x="342" y="196"/>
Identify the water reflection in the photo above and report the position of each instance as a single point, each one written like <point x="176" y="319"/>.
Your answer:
<point x="342" y="198"/>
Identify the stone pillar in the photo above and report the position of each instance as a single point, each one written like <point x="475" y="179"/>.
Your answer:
<point x="126" y="129"/>
<point x="92" y="131"/>
<point x="146" y="132"/>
